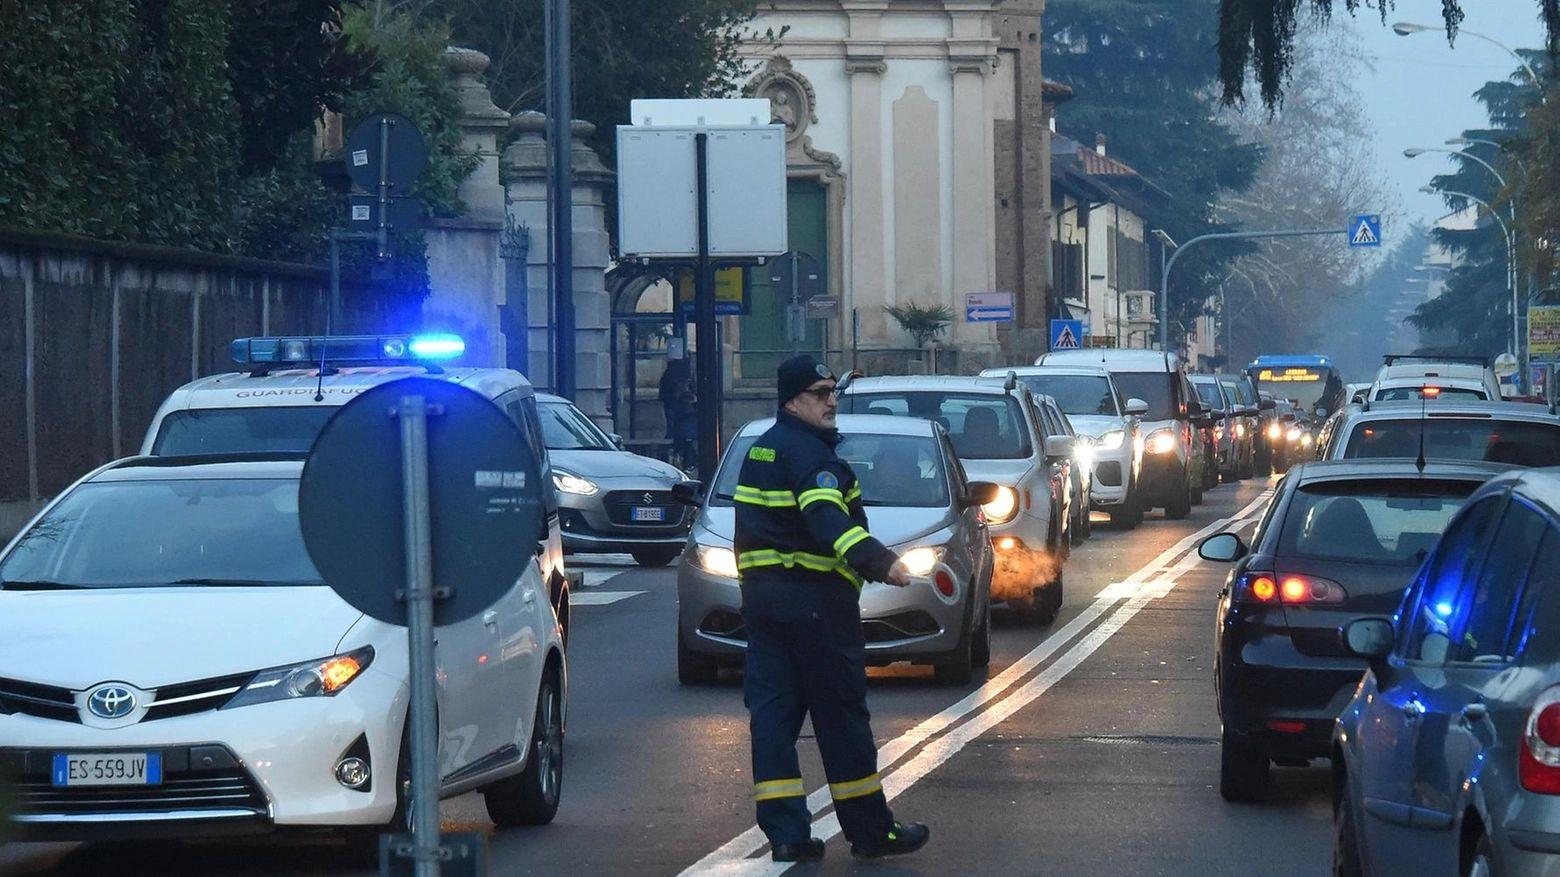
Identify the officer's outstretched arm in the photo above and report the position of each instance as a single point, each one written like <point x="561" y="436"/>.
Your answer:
<point x="827" y="514"/>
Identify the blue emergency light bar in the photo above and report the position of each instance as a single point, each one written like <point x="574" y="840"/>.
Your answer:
<point x="342" y="349"/>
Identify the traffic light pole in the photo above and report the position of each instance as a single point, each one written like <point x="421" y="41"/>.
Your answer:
<point x="708" y="361"/>
<point x="1164" y="275"/>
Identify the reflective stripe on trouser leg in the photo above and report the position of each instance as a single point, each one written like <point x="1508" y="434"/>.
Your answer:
<point x="856" y="788"/>
<point x="776" y="711"/>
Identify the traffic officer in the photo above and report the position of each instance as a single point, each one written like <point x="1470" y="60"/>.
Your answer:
<point x="803" y="552"/>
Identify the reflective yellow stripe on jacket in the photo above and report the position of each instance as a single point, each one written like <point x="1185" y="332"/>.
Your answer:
<point x="849" y="539"/>
<point x="775" y="499"/>
<point x="788" y="559"/>
<point x="823" y="494"/>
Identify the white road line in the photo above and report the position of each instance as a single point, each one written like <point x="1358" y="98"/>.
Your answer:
<point x="600" y="598"/>
<point x="593" y="578"/>
<point x="732" y="858"/>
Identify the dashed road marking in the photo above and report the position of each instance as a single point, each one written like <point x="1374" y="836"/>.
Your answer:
<point x="600" y="598"/>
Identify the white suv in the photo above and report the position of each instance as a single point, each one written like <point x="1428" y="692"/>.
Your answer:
<point x="173" y="664"/>
<point x="998" y="434"/>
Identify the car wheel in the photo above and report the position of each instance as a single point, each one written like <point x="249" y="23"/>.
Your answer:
<point x="1482" y="862"/>
<point x="980" y="652"/>
<point x="531" y="797"/>
<point x="655" y="556"/>
<point x="1177" y="509"/>
<point x="1243" y="769"/>
<point x="694" y="668"/>
<point x="1034" y="609"/>
<point x="1129" y="514"/>
<point x="958" y="666"/>
<point x="1264" y="465"/>
<point x="1085" y="524"/>
<point x="1346" y="844"/>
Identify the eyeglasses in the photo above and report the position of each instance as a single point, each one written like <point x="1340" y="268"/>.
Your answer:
<point x="822" y="394"/>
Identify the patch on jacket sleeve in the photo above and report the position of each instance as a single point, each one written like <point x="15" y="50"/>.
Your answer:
<point x="827" y="480"/>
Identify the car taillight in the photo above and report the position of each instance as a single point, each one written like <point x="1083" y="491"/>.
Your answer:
<point x="1538" y="764"/>
<point x="1262" y="587"/>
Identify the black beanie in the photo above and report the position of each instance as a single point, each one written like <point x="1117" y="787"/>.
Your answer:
<point x="797" y="374"/>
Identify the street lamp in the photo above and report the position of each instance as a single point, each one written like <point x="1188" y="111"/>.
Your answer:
<point x="1511" y="259"/>
<point x="1404" y="28"/>
<point x="1164" y="310"/>
<point x="1415" y="152"/>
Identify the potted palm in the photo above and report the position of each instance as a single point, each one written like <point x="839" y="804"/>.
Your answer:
<point x="924" y="323"/>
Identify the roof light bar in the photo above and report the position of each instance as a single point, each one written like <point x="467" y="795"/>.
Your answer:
<point x="340" y="349"/>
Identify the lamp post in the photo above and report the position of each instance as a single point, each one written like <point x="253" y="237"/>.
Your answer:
<point x="1164" y="310"/>
<point x="1511" y="259"/>
<point x="1405" y="28"/>
<point x="1415" y="152"/>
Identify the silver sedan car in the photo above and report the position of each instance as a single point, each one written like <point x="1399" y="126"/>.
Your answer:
<point x="918" y="503"/>
<point x="610" y="500"/>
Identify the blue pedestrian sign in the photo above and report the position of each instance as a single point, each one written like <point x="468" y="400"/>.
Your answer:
<point x="988" y="307"/>
<point x="1066" y="334"/>
<point x="1365" y="231"/>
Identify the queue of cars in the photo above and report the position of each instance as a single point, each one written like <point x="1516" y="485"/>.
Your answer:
<point x="1392" y="613"/>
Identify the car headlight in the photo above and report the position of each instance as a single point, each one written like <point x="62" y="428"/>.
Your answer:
<point x="715" y="560"/>
<point x="920" y="562"/>
<point x="1161" y="441"/>
<point x="1002" y="509"/>
<point x="1306" y="440"/>
<point x="1240" y="430"/>
<point x="1294" y="435"/>
<point x="1112" y="440"/>
<point x="568" y="482"/>
<point x="1275" y="432"/>
<point x="324" y="677"/>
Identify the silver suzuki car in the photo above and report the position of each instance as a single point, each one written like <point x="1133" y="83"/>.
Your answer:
<point x="918" y="503"/>
<point x="610" y="500"/>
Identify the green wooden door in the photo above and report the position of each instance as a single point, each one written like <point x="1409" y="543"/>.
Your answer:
<point x="764" y="342"/>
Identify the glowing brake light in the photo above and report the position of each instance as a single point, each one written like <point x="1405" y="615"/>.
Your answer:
<point x="1288" y="589"/>
<point x="1430" y="392"/>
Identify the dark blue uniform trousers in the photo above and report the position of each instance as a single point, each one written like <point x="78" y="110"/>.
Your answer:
<point x="806" y="656"/>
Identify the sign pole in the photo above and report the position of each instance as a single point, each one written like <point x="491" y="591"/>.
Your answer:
<point x="560" y="134"/>
<point x="704" y="315"/>
<point x="413" y="413"/>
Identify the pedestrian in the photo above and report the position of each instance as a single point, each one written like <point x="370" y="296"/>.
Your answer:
<point x="679" y="404"/>
<point x="803" y="552"/>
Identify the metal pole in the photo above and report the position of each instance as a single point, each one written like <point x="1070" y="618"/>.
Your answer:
<point x="382" y="233"/>
<point x="708" y="363"/>
<point x="424" y="729"/>
<point x="1164" y="310"/>
<point x="855" y="339"/>
<point x="1511" y="262"/>
<point x="333" y="307"/>
<point x="560" y="141"/>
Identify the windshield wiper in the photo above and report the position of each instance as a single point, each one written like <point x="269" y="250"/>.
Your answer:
<point x="241" y="583"/>
<point x="35" y="585"/>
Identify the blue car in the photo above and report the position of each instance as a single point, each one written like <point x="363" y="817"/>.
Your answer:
<point x="1447" y="759"/>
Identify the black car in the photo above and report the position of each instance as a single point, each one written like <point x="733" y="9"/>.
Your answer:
<point x="1341" y="540"/>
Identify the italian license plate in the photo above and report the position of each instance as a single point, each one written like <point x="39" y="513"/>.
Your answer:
<point x="108" y="769"/>
<point x="649" y="513"/>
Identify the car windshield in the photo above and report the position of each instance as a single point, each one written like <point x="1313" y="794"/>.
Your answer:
<point x="1402" y="394"/>
<point x="983" y="426"/>
<point x="1152" y="387"/>
<point x="191" y="532"/>
<point x="1521" y="443"/>
<point x="1371" y="521"/>
<point x="1076" y="394"/>
<point x="285" y="429"/>
<point x="1210" y="395"/>
<point x="894" y="470"/>
<point x="565" y="428"/>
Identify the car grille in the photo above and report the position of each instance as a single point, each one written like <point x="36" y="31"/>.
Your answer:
<point x="42" y="701"/>
<point x="620" y="505"/>
<point x="194" y="778"/>
<point x="1108" y="473"/>
<point x="905" y="625"/>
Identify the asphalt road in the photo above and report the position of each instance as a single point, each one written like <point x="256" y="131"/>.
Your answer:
<point x="1091" y="748"/>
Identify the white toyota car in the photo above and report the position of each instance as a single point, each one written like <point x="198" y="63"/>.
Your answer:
<point x="171" y="663"/>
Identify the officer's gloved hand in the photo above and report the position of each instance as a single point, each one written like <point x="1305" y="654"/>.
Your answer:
<point x="898" y="575"/>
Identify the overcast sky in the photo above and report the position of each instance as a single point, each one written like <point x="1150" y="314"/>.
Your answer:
<point x="1421" y="91"/>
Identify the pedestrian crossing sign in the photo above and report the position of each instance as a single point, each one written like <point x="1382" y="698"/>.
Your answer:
<point x="1066" y="334"/>
<point x="1365" y="231"/>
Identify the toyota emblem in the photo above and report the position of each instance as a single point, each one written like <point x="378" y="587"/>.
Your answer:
<point x="111" y="702"/>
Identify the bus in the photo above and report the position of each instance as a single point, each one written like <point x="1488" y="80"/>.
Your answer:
<point x="1310" y="382"/>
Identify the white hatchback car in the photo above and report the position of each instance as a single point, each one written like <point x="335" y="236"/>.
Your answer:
<point x="998" y="433"/>
<point x="171" y="663"/>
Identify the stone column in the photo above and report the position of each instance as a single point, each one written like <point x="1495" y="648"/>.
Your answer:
<point x="525" y="173"/>
<point x="465" y="272"/>
<point x="866" y="288"/>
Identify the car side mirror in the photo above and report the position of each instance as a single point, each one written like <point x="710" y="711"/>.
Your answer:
<point x="1137" y="407"/>
<point x="1058" y="446"/>
<point x="1321" y="411"/>
<point x="1369" y="638"/>
<point x="980" y="493"/>
<point x="690" y="493"/>
<point x="617" y="441"/>
<point x="1267" y="405"/>
<point x="1222" y="547"/>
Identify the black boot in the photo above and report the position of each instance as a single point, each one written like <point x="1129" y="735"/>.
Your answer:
<point x="904" y="837"/>
<point x="806" y="851"/>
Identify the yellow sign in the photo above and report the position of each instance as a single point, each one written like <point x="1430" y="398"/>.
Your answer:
<point x="1544" y="330"/>
<point x="729" y="289"/>
<point x="1288" y="376"/>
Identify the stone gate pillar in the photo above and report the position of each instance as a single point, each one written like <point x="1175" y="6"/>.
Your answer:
<point x="525" y="174"/>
